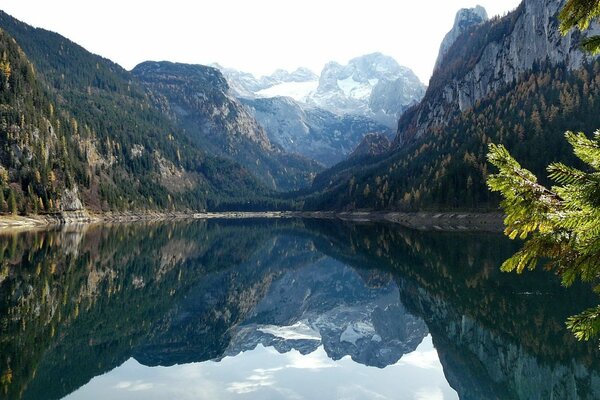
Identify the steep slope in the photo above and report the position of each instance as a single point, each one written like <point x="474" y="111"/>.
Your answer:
<point x="311" y="131"/>
<point x="132" y="156"/>
<point x="324" y="118"/>
<point x="488" y="57"/>
<point x="296" y="84"/>
<point x="513" y="80"/>
<point x="372" y="85"/>
<point x="38" y="170"/>
<point x="465" y="19"/>
<point x="196" y="98"/>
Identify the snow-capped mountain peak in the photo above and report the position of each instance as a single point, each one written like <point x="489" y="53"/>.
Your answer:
<point x="372" y="85"/>
<point x="359" y="88"/>
<point x="297" y="84"/>
<point x="326" y="116"/>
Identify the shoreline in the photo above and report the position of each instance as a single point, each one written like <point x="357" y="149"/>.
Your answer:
<point x="432" y="221"/>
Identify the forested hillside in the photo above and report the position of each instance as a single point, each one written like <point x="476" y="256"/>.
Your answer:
<point x="37" y="165"/>
<point x="100" y="135"/>
<point x="196" y="98"/>
<point x="447" y="168"/>
<point x="491" y="87"/>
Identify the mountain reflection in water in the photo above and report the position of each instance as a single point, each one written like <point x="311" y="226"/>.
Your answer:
<point x="282" y="309"/>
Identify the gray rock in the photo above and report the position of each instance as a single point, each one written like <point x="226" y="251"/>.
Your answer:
<point x="198" y="98"/>
<point x="311" y="131"/>
<point x="527" y="36"/>
<point x="465" y="19"/>
<point x="373" y="85"/>
<point x="70" y="200"/>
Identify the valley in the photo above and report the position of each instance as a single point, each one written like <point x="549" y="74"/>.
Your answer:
<point x="366" y="135"/>
<point x="322" y="200"/>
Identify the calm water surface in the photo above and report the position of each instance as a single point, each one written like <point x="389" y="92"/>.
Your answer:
<point x="283" y="309"/>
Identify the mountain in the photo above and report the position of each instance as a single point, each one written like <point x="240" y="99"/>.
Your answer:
<point x="325" y="117"/>
<point x="372" y="85"/>
<point x="465" y="19"/>
<point x="490" y="56"/>
<point x="311" y="131"/>
<point x="82" y="131"/>
<point x="296" y="84"/>
<point x="197" y="99"/>
<point x="513" y="80"/>
<point x="33" y="148"/>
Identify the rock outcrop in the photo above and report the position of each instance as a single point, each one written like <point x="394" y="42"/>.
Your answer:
<point x="465" y="18"/>
<point x="198" y="99"/>
<point x="373" y="85"/>
<point x="311" y="131"/>
<point x="325" y="117"/>
<point x="493" y="55"/>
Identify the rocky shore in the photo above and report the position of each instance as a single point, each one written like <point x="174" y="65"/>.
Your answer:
<point x="442" y="221"/>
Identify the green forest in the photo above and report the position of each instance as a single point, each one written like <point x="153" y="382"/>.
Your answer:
<point x="447" y="169"/>
<point x="79" y="130"/>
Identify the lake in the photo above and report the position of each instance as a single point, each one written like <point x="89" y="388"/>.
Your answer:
<point x="283" y="309"/>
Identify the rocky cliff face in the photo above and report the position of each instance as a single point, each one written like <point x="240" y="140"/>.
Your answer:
<point x="325" y="117"/>
<point x="464" y="20"/>
<point x="198" y="95"/>
<point x="74" y="119"/>
<point x="373" y="85"/>
<point x="197" y="98"/>
<point x="311" y="131"/>
<point x="495" y="54"/>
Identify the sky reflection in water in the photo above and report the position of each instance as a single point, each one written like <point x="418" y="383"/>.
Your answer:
<point x="263" y="373"/>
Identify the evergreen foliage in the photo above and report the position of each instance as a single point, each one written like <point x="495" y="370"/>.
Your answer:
<point x="580" y="14"/>
<point x="35" y="152"/>
<point x="447" y="169"/>
<point x="71" y="119"/>
<point x="560" y="224"/>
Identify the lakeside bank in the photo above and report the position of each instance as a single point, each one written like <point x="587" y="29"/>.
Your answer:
<point x="441" y="221"/>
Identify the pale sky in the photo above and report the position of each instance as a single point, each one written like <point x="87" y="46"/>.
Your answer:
<point x="256" y="36"/>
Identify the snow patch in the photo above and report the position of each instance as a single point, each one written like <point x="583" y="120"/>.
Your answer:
<point x="298" y="331"/>
<point x="357" y="331"/>
<point x="355" y="90"/>
<point x="298" y="91"/>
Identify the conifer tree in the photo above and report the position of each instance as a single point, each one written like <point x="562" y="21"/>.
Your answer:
<point x="560" y="224"/>
<point x="579" y="14"/>
<point x="3" y="205"/>
<point x="12" y="202"/>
